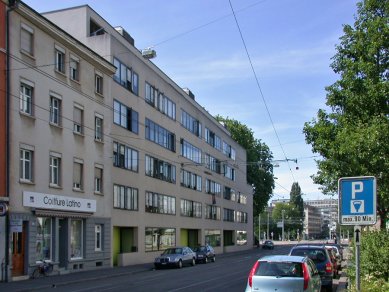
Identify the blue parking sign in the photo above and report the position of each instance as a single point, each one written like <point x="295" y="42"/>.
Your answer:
<point x="357" y="200"/>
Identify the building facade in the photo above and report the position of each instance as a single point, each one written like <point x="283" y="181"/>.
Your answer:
<point x="111" y="161"/>
<point x="57" y="157"/>
<point x="188" y="184"/>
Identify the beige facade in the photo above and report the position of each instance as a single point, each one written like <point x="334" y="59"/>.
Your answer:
<point x="111" y="161"/>
<point x="152" y="226"/>
<point x="59" y="159"/>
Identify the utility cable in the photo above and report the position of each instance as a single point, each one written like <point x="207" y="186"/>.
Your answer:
<point x="260" y="89"/>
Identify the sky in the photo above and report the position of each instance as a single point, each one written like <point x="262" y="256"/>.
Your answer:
<point x="289" y="43"/>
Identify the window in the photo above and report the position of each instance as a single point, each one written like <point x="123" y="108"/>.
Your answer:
<point x="158" y="239"/>
<point x="27" y="39"/>
<point x="125" y="117"/>
<point x="241" y="199"/>
<point x="99" y="128"/>
<point x="78" y="174"/>
<point x="26" y="157"/>
<point x="55" y="111"/>
<point x="74" y="68"/>
<point x="126" y="77"/>
<point x="161" y="102"/>
<point x="98" y="237"/>
<point x="26" y="92"/>
<point x="229" y="151"/>
<point x="212" y="212"/>
<point x="59" y="59"/>
<point x="191" y="152"/>
<point x="228" y="215"/>
<point x="229" y="194"/>
<point x="78" y="119"/>
<point x="190" y="123"/>
<point x="135" y="83"/>
<point x="162" y="204"/>
<point x="212" y="163"/>
<point x="212" y="237"/>
<point x="98" y="180"/>
<point x="43" y="238"/>
<point x="99" y="83"/>
<point x="191" y="180"/>
<point x="240" y="217"/>
<point x="212" y="139"/>
<point x="213" y="188"/>
<point x="55" y="170"/>
<point x="229" y="172"/>
<point x="241" y="237"/>
<point x="125" y="197"/>
<point x="76" y="242"/>
<point x="160" y="135"/>
<point x="95" y="29"/>
<point x="191" y="209"/>
<point x="125" y="157"/>
<point x="160" y="169"/>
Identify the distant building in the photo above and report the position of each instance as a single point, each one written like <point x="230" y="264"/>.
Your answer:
<point x="312" y="222"/>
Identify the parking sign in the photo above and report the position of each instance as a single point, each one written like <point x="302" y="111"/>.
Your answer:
<point x="357" y="200"/>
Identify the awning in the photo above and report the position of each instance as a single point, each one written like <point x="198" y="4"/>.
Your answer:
<point x="64" y="214"/>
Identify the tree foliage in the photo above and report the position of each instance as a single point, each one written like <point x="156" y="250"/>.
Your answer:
<point x="296" y="198"/>
<point x="259" y="167"/>
<point x="292" y="219"/>
<point x="374" y="261"/>
<point x="353" y="136"/>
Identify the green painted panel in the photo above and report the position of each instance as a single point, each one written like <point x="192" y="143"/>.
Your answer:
<point x="184" y="237"/>
<point x="116" y="245"/>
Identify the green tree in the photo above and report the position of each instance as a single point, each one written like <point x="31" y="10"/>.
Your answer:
<point x="297" y="201"/>
<point x="292" y="219"/>
<point x="259" y="167"/>
<point x="352" y="138"/>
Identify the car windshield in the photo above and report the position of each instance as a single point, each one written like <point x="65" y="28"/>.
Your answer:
<point x="173" y="251"/>
<point x="317" y="255"/>
<point x="279" y="269"/>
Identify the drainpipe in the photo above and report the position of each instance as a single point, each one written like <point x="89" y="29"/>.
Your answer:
<point x="12" y="4"/>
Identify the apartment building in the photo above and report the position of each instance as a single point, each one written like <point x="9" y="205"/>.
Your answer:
<point x="312" y="222"/>
<point x="111" y="161"/>
<point x="178" y="177"/>
<point x="59" y="160"/>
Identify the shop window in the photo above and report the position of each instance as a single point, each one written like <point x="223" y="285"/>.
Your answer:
<point x="76" y="239"/>
<point x="43" y="239"/>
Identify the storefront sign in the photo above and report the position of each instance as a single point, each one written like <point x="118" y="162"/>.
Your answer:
<point x="55" y="202"/>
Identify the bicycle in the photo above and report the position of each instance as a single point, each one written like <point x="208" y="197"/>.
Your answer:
<point x="43" y="269"/>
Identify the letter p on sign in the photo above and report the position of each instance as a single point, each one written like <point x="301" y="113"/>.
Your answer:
<point x="356" y="187"/>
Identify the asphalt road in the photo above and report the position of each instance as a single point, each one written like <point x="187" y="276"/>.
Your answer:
<point x="228" y="273"/>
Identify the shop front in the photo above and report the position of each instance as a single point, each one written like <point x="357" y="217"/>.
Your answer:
<point x="60" y="229"/>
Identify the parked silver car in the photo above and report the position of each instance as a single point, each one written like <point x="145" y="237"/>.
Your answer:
<point x="175" y="257"/>
<point x="284" y="274"/>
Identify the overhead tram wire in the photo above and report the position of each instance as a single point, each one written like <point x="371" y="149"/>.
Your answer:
<point x="260" y="89"/>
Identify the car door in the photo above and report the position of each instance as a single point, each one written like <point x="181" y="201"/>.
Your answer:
<point x="315" y="276"/>
<point x="187" y="255"/>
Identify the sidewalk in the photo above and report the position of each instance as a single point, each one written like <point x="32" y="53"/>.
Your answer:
<point x="62" y="280"/>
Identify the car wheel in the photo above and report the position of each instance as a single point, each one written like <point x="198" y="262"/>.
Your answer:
<point x="179" y="265"/>
<point x="156" y="267"/>
<point x="193" y="262"/>
<point x="214" y="259"/>
<point x="206" y="260"/>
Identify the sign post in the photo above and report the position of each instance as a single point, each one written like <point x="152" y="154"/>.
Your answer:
<point x="357" y="206"/>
